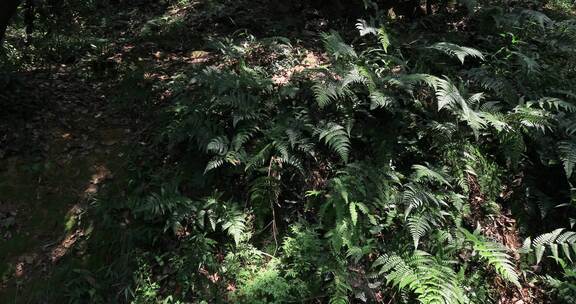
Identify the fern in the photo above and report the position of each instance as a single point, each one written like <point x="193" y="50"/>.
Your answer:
<point x="449" y="97"/>
<point x="495" y="255"/>
<point x="409" y="81"/>
<point x="423" y="172"/>
<point x="448" y="94"/>
<point x="161" y="204"/>
<point x="329" y="91"/>
<point x="567" y="152"/>
<point x="214" y="164"/>
<point x="336" y="137"/>
<point x="431" y="148"/>
<point x="555" y="104"/>
<point x="336" y="47"/>
<point x="218" y="145"/>
<point x="418" y="225"/>
<point x="529" y="64"/>
<point x="365" y="29"/>
<point x="530" y="117"/>
<point x="379" y="100"/>
<point x="564" y="286"/>
<point x="554" y="240"/>
<point x="431" y="280"/>
<point x="416" y="196"/>
<point x="461" y="52"/>
<point x="235" y="224"/>
<point x="340" y="289"/>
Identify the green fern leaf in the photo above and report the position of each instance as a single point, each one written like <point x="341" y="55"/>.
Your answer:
<point x="235" y="224"/>
<point x="427" y="173"/>
<point x="218" y="145"/>
<point x="365" y="29"/>
<point x="214" y="164"/>
<point x="430" y="279"/>
<point x="448" y="94"/>
<point x="336" y="137"/>
<point x="495" y="255"/>
<point x="461" y="52"/>
<point x="379" y="100"/>
<point x="418" y="226"/>
<point x="554" y="239"/>
<point x="335" y="46"/>
<point x="567" y="152"/>
<point x="556" y="104"/>
<point x="353" y="213"/>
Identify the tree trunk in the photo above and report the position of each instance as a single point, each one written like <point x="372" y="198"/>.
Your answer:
<point x="29" y="20"/>
<point x="7" y="10"/>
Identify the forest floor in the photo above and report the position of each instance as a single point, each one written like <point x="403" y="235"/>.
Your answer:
<point x="70" y="137"/>
<point x="50" y="175"/>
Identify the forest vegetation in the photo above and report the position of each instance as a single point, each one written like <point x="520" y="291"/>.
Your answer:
<point x="267" y="151"/>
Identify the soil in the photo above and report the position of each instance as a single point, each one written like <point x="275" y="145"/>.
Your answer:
<point x="56" y="153"/>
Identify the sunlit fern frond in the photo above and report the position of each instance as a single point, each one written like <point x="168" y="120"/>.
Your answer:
<point x="431" y="280"/>
<point x="495" y="255"/>
<point x="337" y="139"/>
<point x="567" y="153"/>
<point x="336" y="47"/>
<point x="423" y="172"/>
<point x="559" y="238"/>
<point x="460" y="52"/>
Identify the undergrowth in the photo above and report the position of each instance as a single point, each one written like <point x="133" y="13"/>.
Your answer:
<point x="379" y="168"/>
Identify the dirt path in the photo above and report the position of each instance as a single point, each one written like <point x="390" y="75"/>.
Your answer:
<point x="56" y="158"/>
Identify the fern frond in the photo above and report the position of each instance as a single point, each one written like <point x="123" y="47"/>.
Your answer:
<point x="163" y="203"/>
<point x="235" y="224"/>
<point x="423" y="172"/>
<point x="495" y="255"/>
<point x="556" y="104"/>
<point x="431" y="280"/>
<point x="384" y="39"/>
<point x="569" y="124"/>
<point x="513" y="145"/>
<point x="215" y="163"/>
<point x="418" y="226"/>
<point x="531" y="117"/>
<point x="328" y="91"/>
<point x="340" y="289"/>
<point x="218" y="145"/>
<point x="408" y="82"/>
<point x="461" y="52"/>
<point x="442" y="130"/>
<point x="416" y="196"/>
<point x="567" y="153"/>
<point x="379" y="100"/>
<point x="553" y="240"/>
<point x="336" y="137"/>
<point x="365" y="29"/>
<point x="335" y="46"/>
<point x="448" y="94"/>
<point x="529" y="64"/>
<point x="241" y="138"/>
<point x="496" y="120"/>
<point x="358" y="75"/>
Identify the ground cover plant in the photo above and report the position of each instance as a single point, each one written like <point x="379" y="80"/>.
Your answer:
<point x="297" y="152"/>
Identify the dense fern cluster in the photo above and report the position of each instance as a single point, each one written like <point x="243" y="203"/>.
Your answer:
<point x="377" y="175"/>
